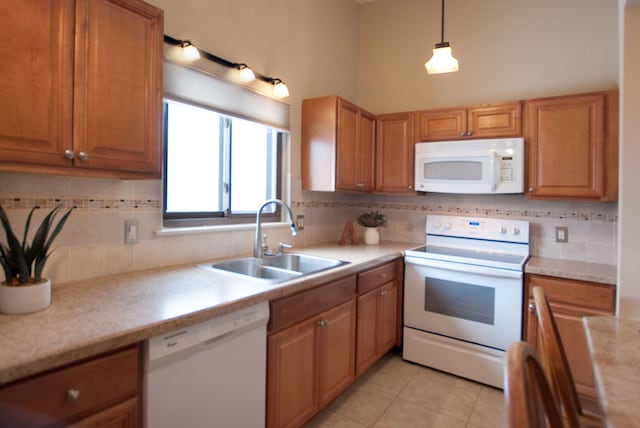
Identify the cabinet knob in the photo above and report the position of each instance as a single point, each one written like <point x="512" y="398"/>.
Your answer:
<point x="410" y="187"/>
<point x="359" y="185"/>
<point x="469" y="133"/>
<point x="383" y="292"/>
<point x="72" y="395"/>
<point x="83" y="156"/>
<point x="532" y="307"/>
<point x="382" y="275"/>
<point x="323" y="323"/>
<point x="69" y="154"/>
<point x="463" y="133"/>
<point x="532" y="189"/>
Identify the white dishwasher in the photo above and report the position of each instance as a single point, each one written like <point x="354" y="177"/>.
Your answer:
<point x="211" y="374"/>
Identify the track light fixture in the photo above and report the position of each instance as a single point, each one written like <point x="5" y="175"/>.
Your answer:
<point x="442" y="61"/>
<point x="191" y="53"/>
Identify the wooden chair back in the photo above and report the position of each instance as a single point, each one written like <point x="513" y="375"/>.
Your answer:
<point x="528" y="396"/>
<point x="555" y="361"/>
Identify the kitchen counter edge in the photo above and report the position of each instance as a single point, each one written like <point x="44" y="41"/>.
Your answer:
<point x="570" y="269"/>
<point x="91" y="317"/>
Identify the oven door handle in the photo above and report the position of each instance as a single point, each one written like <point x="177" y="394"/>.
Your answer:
<point x="462" y="267"/>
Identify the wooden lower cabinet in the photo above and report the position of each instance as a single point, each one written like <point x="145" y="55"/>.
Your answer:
<point x="309" y="364"/>
<point x="377" y="323"/>
<point x="310" y="351"/>
<point x="570" y="301"/>
<point x="100" y="392"/>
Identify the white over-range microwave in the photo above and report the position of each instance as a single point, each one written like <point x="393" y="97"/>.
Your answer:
<point x="470" y="166"/>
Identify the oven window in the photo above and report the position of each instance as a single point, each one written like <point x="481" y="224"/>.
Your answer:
<point x="460" y="300"/>
<point x="453" y="170"/>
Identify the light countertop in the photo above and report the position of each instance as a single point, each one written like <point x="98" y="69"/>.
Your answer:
<point x="613" y="345"/>
<point x="90" y="317"/>
<point x="582" y="271"/>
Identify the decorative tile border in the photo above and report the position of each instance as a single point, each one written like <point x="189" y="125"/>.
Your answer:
<point x="82" y="203"/>
<point x="591" y="215"/>
<point x="115" y="204"/>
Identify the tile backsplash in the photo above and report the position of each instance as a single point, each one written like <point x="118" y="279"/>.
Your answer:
<point x="92" y="243"/>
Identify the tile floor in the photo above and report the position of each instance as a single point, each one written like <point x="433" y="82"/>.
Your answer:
<point x="396" y="393"/>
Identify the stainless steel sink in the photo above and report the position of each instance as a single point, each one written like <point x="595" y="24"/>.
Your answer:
<point x="301" y="262"/>
<point x="278" y="268"/>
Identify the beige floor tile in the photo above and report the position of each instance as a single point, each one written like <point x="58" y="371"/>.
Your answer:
<point x="390" y="375"/>
<point x="330" y="419"/>
<point x="362" y="404"/>
<point x="446" y="394"/>
<point x="403" y="414"/>
<point x="490" y="410"/>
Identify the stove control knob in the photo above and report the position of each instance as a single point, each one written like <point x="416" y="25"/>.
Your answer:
<point x="515" y="231"/>
<point x="448" y="226"/>
<point x="437" y="226"/>
<point x="503" y="230"/>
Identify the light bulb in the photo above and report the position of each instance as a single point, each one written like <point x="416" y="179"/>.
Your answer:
<point x="190" y="52"/>
<point x="280" y="90"/>
<point x="247" y="74"/>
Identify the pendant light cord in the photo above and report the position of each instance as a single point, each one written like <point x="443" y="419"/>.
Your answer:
<point x="442" y="26"/>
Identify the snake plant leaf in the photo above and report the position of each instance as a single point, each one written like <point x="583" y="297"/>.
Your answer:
<point x="16" y="252"/>
<point x="26" y="227"/>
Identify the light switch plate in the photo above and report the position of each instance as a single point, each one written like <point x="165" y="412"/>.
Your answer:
<point x="300" y="222"/>
<point x="131" y="232"/>
<point x="562" y="234"/>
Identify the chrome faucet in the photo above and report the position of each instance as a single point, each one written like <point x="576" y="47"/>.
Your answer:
<point x="257" y="245"/>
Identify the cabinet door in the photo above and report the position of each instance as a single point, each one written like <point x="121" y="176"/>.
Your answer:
<point x="118" y="85"/>
<point x="570" y="153"/>
<point x="394" y="153"/>
<point x="355" y="148"/>
<point x="366" y="352"/>
<point x="336" y="350"/>
<point x="495" y="120"/>
<point x="36" y="81"/>
<point x="292" y="361"/>
<point x="570" y="301"/>
<point x="444" y="124"/>
<point x="365" y="152"/>
<point x="387" y="317"/>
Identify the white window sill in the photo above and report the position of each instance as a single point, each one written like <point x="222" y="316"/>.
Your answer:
<point x="172" y="231"/>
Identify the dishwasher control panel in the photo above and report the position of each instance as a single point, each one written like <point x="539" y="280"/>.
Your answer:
<point x="206" y="333"/>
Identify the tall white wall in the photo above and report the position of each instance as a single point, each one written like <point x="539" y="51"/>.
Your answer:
<point x="629" y="227"/>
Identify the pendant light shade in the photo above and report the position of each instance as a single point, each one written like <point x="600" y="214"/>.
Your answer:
<point x="442" y="60"/>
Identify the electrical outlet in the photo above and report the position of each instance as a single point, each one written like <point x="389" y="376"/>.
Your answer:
<point x="300" y="222"/>
<point x="562" y="234"/>
<point x="131" y="232"/>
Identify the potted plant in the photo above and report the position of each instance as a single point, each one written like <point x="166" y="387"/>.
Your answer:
<point x="24" y="290"/>
<point x="371" y="221"/>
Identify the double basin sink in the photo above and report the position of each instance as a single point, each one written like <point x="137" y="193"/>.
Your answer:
<point x="278" y="268"/>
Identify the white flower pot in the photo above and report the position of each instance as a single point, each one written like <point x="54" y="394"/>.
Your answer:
<point x="371" y="236"/>
<point x="25" y="299"/>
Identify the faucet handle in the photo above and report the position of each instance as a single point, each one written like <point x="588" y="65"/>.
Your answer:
<point x="281" y="247"/>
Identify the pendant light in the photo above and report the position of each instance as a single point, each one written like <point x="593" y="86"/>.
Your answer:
<point x="442" y="61"/>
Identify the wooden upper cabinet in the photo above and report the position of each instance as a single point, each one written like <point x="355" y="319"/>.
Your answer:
<point x="481" y="121"/>
<point x="37" y="80"/>
<point x="394" y="153"/>
<point x="573" y="146"/>
<point x="338" y="145"/>
<point x="86" y="99"/>
<point x="118" y="85"/>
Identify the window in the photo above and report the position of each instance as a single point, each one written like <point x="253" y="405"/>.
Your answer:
<point x="218" y="169"/>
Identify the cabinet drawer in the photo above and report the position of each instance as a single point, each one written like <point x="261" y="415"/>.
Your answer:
<point x="374" y="278"/>
<point x="293" y="309"/>
<point x="587" y="295"/>
<point x="100" y="382"/>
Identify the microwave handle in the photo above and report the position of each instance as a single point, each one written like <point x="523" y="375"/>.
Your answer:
<point x="493" y="164"/>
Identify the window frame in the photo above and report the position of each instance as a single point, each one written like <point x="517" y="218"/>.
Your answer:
<point x="220" y="218"/>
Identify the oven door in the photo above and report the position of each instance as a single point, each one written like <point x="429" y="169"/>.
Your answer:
<point x="476" y="304"/>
